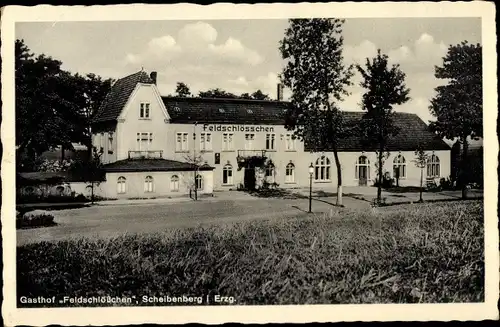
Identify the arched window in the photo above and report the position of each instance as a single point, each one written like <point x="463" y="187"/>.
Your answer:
<point x="433" y="167"/>
<point x="290" y="173"/>
<point x="148" y="184"/>
<point x="174" y="183"/>
<point x="363" y="170"/>
<point x="121" y="186"/>
<point x="227" y="175"/>
<point x="322" y="169"/>
<point x="399" y="167"/>
<point x="270" y="170"/>
<point x="199" y="182"/>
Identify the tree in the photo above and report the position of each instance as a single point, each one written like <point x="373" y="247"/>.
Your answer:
<point x="316" y="75"/>
<point x="196" y="160"/>
<point x="216" y="93"/>
<point x="258" y="95"/>
<point x="90" y="171"/>
<point x="457" y="105"/>
<point x="182" y="90"/>
<point x="246" y="96"/>
<point x="385" y="87"/>
<point x="421" y="162"/>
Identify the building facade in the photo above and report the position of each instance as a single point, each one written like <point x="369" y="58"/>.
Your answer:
<point x="148" y="142"/>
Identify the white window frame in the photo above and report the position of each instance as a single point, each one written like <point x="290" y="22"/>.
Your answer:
<point x="183" y="144"/>
<point x="121" y="185"/>
<point x="174" y="183"/>
<point x="227" y="142"/>
<point x="365" y="164"/>
<point x="249" y="138"/>
<point x="145" y="110"/>
<point x="271" y="141"/>
<point x="399" y="161"/>
<point x="144" y="136"/>
<point x="434" y="165"/>
<point x="199" y="182"/>
<point x="206" y="141"/>
<point x="322" y="169"/>
<point x="290" y="144"/>
<point x="228" y="172"/>
<point x="149" y="184"/>
<point x="290" y="173"/>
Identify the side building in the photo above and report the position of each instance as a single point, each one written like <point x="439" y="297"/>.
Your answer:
<point x="162" y="146"/>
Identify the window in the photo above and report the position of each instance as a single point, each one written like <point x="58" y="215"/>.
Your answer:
<point x="289" y="142"/>
<point x="199" y="182"/>
<point x="363" y="168"/>
<point x="290" y="173"/>
<point x="227" y="175"/>
<point x="399" y="167"/>
<point x="270" y="141"/>
<point x="144" y="113"/>
<point x="227" y="142"/>
<point x="148" y="184"/>
<point x="221" y="110"/>
<point x="322" y="169"/>
<point x="121" y="186"/>
<point x="181" y="142"/>
<point x="433" y="167"/>
<point x="250" y="111"/>
<point x="206" y="142"/>
<point x="270" y="170"/>
<point x="101" y="143"/>
<point x="144" y="141"/>
<point x="174" y="183"/>
<point x="249" y="138"/>
<point x="110" y="143"/>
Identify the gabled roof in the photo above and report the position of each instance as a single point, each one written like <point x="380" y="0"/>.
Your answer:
<point x="118" y="96"/>
<point x="136" y="165"/>
<point x="413" y="132"/>
<point x="188" y="110"/>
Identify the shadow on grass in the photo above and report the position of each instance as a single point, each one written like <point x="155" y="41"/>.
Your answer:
<point x="427" y="201"/>
<point x="276" y="194"/>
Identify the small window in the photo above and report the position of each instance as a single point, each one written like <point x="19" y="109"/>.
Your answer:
<point x="250" y="111"/>
<point x="144" y="110"/>
<point x="177" y="109"/>
<point x="148" y="184"/>
<point x="174" y="183"/>
<point x="121" y="185"/>
<point x="222" y="110"/>
<point x="199" y="182"/>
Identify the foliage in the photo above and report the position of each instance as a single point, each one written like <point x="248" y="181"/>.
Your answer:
<point x="424" y="253"/>
<point x="217" y="93"/>
<point x="385" y="87"/>
<point x="315" y="73"/>
<point x="259" y="95"/>
<point x="34" y="220"/>
<point x="182" y="90"/>
<point x="90" y="171"/>
<point x="421" y="157"/>
<point x="53" y="107"/>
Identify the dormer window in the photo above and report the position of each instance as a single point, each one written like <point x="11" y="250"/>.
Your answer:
<point x="144" y="112"/>
<point x="177" y="109"/>
<point x="221" y="110"/>
<point x="250" y="111"/>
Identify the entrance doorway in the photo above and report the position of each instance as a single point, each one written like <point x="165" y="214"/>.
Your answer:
<point x="363" y="170"/>
<point x="249" y="180"/>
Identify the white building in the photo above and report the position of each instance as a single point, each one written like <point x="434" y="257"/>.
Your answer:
<point x="149" y="142"/>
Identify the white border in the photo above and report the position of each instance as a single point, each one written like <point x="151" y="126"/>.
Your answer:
<point x="255" y="314"/>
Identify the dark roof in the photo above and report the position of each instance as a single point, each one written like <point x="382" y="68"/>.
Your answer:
<point x="135" y="165"/>
<point x="413" y="132"/>
<point x="118" y="95"/>
<point x="224" y="111"/>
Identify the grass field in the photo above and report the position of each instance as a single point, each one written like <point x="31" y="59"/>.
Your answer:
<point x="406" y="254"/>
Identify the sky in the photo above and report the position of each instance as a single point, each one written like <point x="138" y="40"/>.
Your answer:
<point x="242" y="55"/>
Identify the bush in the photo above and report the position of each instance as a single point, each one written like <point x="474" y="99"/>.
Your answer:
<point x="446" y="184"/>
<point x="418" y="253"/>
<point x="387" y="181"/>
<point x="36" y="218"/>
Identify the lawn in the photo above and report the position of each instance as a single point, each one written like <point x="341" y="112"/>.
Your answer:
<point x="418" y="253"/>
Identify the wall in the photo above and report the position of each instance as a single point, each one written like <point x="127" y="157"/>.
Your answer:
<point x="130" y="123"/>
<point x="161" y="184"/>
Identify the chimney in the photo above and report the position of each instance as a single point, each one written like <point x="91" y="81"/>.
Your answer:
<point x="280" y="92"/>
<point x="153" y="76"/>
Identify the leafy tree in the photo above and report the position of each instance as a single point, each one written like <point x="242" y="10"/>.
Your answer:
<point x="258" y="95"/>
<point x="182" y="90"/>
<point x="458" y="105"/>
<point x="246" y="96"/>
<point x="90" y="171"/>
<point x="217" y="93"/>
<point x="385" y="87"/>
<point x="318" y="78"/>
<point x="421" y="162"/>
<point x="42" y="106"/>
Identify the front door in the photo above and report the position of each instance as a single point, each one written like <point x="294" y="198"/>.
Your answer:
<point x="249" y="179"/>
<point x="363" y="175"/>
